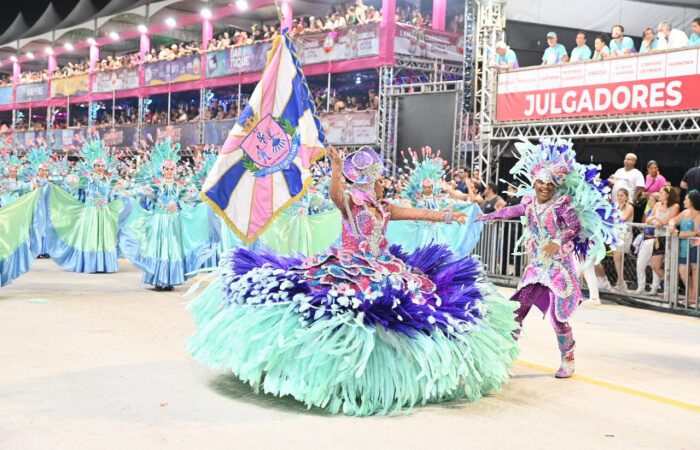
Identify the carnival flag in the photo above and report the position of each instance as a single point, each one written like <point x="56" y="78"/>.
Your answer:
<point x="263" y="166"/>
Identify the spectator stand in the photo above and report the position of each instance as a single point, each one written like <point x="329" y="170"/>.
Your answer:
<point x="124" y="74"/>
<point x="634" y="109"/>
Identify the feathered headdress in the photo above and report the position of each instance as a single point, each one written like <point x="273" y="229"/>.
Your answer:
<point x="163" y="154"/>
<point x="554" y="161"/>
<point x="93" y="152"/>
<point x="38" y="157"/>
<point x="426" y="168"/>
<point x="9" y="160"/>
<point x="201" y="169"/>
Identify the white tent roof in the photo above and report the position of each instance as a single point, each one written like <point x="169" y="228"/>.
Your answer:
<point x="601" y="15"/>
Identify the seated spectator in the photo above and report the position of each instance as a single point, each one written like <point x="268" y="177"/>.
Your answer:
<point x="620" y="44"/>
<point x="505" y="57"/>
<point x="602" y="51"/>
<point x="695" y="35"/>
<point x="555" y="53"/>
<point x="669" y="37"/>
<point x="581" y="52"/>
<point x="649" y="41"/>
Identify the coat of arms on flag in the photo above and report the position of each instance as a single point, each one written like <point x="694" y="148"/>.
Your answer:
<point x="263" y="166"/>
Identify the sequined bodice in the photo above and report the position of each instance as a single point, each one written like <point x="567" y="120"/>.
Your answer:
<point x="97" y="192"/>
<point x="365" y="232"/>
<point x="167" y="197"/>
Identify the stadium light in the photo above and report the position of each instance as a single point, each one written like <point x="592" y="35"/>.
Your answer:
<point x="30" y="55"/>
<point x="91" y="41"/>
<point x="13" y="58"/>
<point x="68" y="46"/>
<point x="170" y="22"/>
<point x="206" y="13"/>
<point x="143" y="29"/>
<point x="242" y="4"/>
<point x="48" y="51"/>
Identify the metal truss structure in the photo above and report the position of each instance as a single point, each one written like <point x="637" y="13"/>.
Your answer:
<point x="463" y="148"/>
<point x="490" y="28"/>
<point x="679" y="128"/>
<point x="439" y="76"/>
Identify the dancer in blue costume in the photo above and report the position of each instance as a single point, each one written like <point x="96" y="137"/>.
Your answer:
<point x="21" y="221"/>
<point x="11" y="185"/>
<point x="163" y="236"/>
<point x="426" y="173"/>
<point x="364" y="328"/>
<point x="38" y="160"/>
<point x="81" y="233"/>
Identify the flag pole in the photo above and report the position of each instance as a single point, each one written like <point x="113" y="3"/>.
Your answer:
<point x="280" y="16"/>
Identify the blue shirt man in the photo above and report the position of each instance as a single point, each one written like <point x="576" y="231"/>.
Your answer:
<point x="505" y="57"/>
<point x="621" y="44"/>
<point x="555" y="53"/>
<point x="581" y="52"/>
<point x="695" y="35"/>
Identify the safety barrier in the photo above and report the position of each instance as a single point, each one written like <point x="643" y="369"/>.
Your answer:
<point x="620" y="273"/>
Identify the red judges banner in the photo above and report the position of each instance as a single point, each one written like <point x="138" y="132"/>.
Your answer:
<point x="645" y="83"/>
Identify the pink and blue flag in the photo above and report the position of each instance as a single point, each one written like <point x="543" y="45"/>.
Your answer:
<point x="263" y="166"/>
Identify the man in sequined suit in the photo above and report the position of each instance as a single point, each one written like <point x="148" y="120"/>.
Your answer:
<point x="549" y="282"/>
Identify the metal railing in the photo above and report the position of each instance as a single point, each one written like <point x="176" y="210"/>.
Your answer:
<point x="619" y="275"/>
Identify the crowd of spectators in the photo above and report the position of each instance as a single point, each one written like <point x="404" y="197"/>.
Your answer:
<point x="340" y="102"/>
<point x="616" y="44"/>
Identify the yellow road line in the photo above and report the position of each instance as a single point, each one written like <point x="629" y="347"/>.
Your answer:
<point x="616" y="387"/>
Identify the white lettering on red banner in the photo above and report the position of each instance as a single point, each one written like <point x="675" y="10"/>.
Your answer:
<point x="646" y="83"/>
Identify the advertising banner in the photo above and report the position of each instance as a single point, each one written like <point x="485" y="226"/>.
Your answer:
<point x="427" y="43"/>
<point x="349" y="43"/>
<point x="184" y="134"/>
<point x="237" y="60"/>
<point x="186" y="68"/>
<point x="638" y="84"/>
<point x="350" y="128"/>
<point x="65" y="139"/>
<point x="5" y="95"/>
<point x="32" y="92"/>
<point x="120" y="137"/>
<point x="69" y="86"/>
<point x="115" y="80"/>
<point x="215" y="132"/>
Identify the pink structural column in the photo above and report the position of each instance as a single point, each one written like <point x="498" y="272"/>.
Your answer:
<point x="287" y="14"/>
<point x="144" y="49"/>
<point x="16" y="75"/>
<point x="388" y="32"/>
<point x="207" y="35"/>
<point x="439" y="14"/>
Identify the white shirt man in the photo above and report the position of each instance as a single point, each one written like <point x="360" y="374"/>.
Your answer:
<point x="670" y="38"/>
<point x="628" y="178"/>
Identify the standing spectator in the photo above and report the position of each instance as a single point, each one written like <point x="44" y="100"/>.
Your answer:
<point x="555" y="53"/>
<point x="649" y="41"/>
<point x="581" y="52"/>
<point x="360" y="12"/>
<point x="492" y="202"/>
<point x="602" y="51"/>
<point x="373" y="100"/>
<point x="505" y="57"/>
<point x="667" y="208"/>
<point x="628" y="178"/>
<point x="669" y="37"/>
<point x="626" y="215"/>
<point x="691" y="180"/>
<point x="654" y="181"/>
<point x="695" y="35"/>
<point x="620" y="44"/>
<point x="689" y="223"/>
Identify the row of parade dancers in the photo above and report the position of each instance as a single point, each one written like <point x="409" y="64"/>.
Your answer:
<point x="146" y="208"/>
<point x="366" y="326"/>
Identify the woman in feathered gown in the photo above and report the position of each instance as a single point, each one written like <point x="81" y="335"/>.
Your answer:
<point x="364" y="328"/>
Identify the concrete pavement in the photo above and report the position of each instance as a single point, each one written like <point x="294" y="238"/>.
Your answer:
<point x="99" y="361"/>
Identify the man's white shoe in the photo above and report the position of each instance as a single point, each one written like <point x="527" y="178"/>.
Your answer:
<point x="594" y="301"/>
